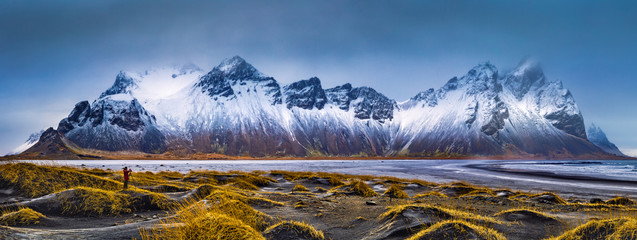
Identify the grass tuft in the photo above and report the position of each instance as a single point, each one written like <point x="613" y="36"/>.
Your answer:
<point x="355" y="187"/>
<point x="457" y="229"/>
<point x="435" y="211"/>
<point x="83" y="201"/>
<point x="293" y="230"/>
<point x="432" y="193"/>
<point x="300" y="188"/>
<point x="618" y="228"/>
<point x="21" y="217"/>
<point x="34" y="180"/>
<point x="394" y="191"/>
<point x="623" y="201"/>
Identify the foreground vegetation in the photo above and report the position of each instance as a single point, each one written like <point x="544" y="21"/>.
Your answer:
<point x="296" y="205"/>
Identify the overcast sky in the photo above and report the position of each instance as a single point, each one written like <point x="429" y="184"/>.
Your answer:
<point x="54" y="54"/>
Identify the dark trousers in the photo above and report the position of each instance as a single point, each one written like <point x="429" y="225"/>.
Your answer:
<point x="126" y="184"/>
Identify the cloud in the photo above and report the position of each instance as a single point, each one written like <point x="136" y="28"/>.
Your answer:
<point x="63" y="53"/>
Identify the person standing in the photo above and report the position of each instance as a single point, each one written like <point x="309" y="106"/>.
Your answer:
<point x="126" y="174"/>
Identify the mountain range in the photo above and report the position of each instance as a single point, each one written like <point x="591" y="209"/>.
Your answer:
<point x="236" y="110"/>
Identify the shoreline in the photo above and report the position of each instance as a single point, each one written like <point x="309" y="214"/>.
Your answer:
<point x="480" y="172"/>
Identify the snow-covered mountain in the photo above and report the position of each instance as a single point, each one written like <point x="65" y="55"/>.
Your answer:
<point x="236" y="110"/>
<point x="31" y="140"/>
<point x="598" y="137"/>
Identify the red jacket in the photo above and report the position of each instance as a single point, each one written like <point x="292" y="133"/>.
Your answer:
<point x="126" y="172"/>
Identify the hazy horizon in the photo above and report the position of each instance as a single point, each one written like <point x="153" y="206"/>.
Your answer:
<point x="57" y="54"/>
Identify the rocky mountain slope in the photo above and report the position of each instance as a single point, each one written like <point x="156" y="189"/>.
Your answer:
<point x="598" y="137"/>
<point x="236" y="110"/>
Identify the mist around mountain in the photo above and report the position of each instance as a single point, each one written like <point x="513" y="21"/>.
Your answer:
<point x="236" y="110"/>
<point x="598" y="137"/>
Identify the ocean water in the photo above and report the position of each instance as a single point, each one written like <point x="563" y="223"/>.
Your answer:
<point x="624" y="170"/>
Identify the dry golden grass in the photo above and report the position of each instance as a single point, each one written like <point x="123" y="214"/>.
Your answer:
<point x="355" y="187"/>
<point x="197" y="221"/>
<point x="150" y="179"/>
<point x="222" y="215"/>
<point x="555" y="197"/>
<point x="300" y="229"/>
<point x="37" y="180"/>
<point x="240" y="184"/>
<point x="299" y="188"/>
<point x="21" y="217"/>
<point x="610" y="229"/>
<point x="243" y="212"/>
<point x="530" y="214"/>
<point x="478" y="192"/>
<point x="223" y="194"/>
<point x="395" y="191"/>
<point x="457" y="229"/>
<point x="432" y="193"/>
<point x="437" y="212"/>
<point x="338" y="179"/>
<point x="623" y="201"/>
<point x="84" y="201"/>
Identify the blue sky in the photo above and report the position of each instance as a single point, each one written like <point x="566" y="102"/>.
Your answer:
<point x="56" y="53"/>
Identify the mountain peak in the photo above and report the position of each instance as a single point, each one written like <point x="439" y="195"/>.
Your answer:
<point x="524" y="77"/>
<point x="305" y="94"/>
<point x="123" y="83"/>
<point x="237" y="68"/>
<point x="599" y="138"/>
<point x="230" y="63"/>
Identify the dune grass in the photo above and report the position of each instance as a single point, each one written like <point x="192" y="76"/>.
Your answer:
<point x="299" y="188"/>
<point x="224" y="194"/>
<point x="355" y="187"/>
<point x="84" y="201"/>
<point x="442" y="213"/>
<point x="515" y="214"/>
<point x="300" y="229"/>
<point x="223" y="214"/>
<point x="622" y="201"/>
<point x="432" y="193"/>
<point x="197" y="222"/>
<point x="610" y="229"/>
<point x="34" y="180"/>
<point x="395" y="191"/>
<point x="21" y="217"/>
<point x="457" y="229"/>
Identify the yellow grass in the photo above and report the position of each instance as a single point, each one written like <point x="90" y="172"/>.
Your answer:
<point x="198" y="222"/>
<point x="610" y="229"/>
<point x="439" y="212"/>
<point x="454" y="229"/>
<point x="394" y="191"/>
<point x="86" y="201"/>
<point x="623" y="201"/>
<point x="557" y="198"/>
<point x="523" y="209"/>
<point x="432" y="193"/>
<point x="221" y="195"/>
<point x="302" y="229"/>
<point x="356" y="187"/>
<point x="299" y="188"/>
<point x="37" y="180"/>
<point x="21" y="217"/>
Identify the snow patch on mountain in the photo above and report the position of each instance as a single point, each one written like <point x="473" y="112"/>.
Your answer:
<point x="598" y="137"/>
<point x="31" y="140"/>
<point x="235" y="109"/>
